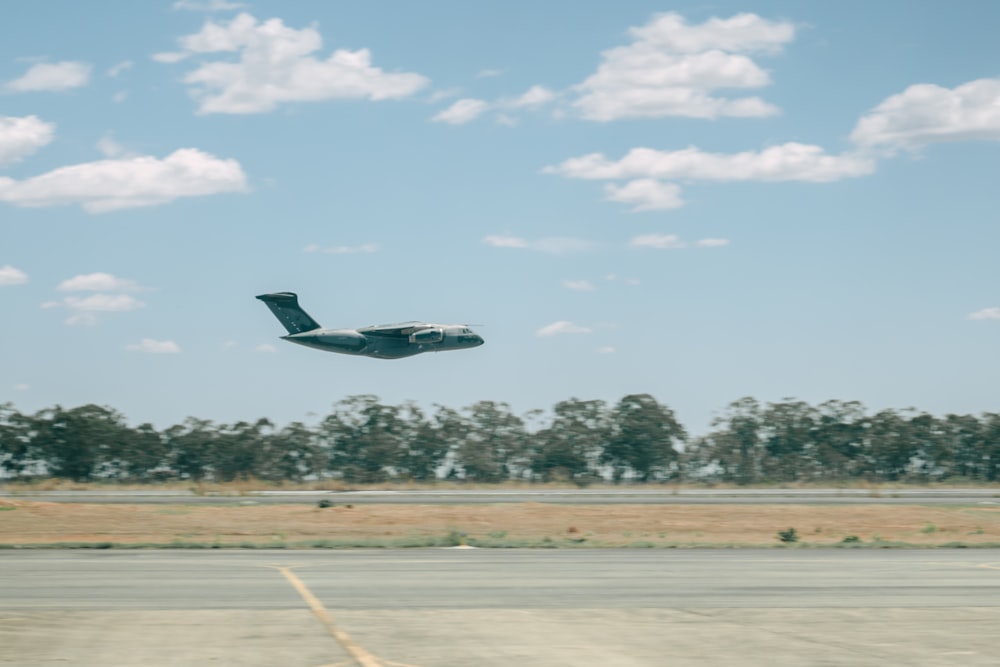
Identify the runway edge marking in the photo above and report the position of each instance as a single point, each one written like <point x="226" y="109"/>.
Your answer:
<point x="357" y="653"/>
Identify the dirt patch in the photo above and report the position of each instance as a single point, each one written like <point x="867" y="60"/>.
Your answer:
<point x="527" y="524"/>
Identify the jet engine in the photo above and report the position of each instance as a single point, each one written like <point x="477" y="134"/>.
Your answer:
<point x="434" y="335"/>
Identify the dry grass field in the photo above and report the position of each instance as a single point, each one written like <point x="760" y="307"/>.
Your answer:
<point x="36" y="524"/>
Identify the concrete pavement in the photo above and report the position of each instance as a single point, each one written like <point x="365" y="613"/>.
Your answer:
<point x="458" y="607"/>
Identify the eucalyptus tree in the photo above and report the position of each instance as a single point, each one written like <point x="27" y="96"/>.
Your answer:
<point x="20" y="451"/>
<point x="83" y="442"/>
<point x="644" y="439"/>
<point x="839" y="439"/>
<point x="291" y="453"/>
<point x="788" y="433"/>
<point x="889" y="448"/>
<point x="967" y="446"/>
<point x="147" y="456"/>
<point x="237" y="448"/>
<point x="191" y="446"/>
<point x="426" y="442"/>
<point x="365" y="439"/>
<point x="929" y="441"/>
<point x="991" y="446"/>
<point x="570" y="448"/>
<point x="734" y="449"/>
<point x="494" y="448"/>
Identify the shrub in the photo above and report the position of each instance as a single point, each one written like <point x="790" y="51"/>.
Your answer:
<point x="788" y="536"/>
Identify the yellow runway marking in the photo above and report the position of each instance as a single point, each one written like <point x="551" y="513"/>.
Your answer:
<point x="359" y="654"/>
<point x="990" y="566"/>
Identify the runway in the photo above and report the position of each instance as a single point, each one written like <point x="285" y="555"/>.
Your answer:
<point x="540" y="608"/>
<point x="639" y="496"/>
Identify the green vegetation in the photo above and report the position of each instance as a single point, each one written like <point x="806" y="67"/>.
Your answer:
<point x="788" y="536"/>
<point x="636" y="440"/>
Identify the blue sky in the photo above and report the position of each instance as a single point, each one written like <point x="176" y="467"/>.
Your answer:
<point x="701" y="201"/>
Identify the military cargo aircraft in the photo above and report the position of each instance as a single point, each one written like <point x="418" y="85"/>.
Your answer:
<point x="383" y="341"/>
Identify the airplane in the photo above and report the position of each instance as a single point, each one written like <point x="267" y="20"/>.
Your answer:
<point x="383" y="341"/>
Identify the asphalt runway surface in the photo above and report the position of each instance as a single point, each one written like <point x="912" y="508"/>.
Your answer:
<point x="643" y="496"/>
<point x="532" y="608"/>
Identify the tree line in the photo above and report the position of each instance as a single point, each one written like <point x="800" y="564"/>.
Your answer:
<point x="634" y="440"/>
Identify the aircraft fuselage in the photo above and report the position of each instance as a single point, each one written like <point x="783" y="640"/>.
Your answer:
<point x="370" y="344"/>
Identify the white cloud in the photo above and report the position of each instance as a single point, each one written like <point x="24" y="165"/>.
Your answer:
<point x="85" y="319"/>
<point x="740" y="33"/>
<point x="786" y="162"/>
<point x="462" y="111"/>
<point x="555" y="245"/>
<point x="711" y="243"/>
<point x="661" y="241"/>
<point x="674" y="69"/>
<point x="112" y="184"/>
<point x="84" y="310"/>
<point x="535" y="96"/>
<point x="52" y="77"/>
<point x="561" y="327"/>
<point x="119" y="97"/>
<point x="207" y="5"/>
<point x="115" y="71"/>
<point x="926" y="113"/>
<point x="579" y="285"/>
<point x="488" y="73"/>
<point x="168" y="58"/>
<point x="342" y="249"/>
<point x="22" y="136"/>
<point x="21" y="387"/>
<point x="105" y="303"/>
<point x="152" y="346"/>
<point x="611" y="277"/>
<point x="986" y="314"/>
<point x="560" y="245"/>
<point x="12" y="276"/>
<point x="505" y="242"/>
<point x="443" y="94"/>
<point x="275" y="67"/>
<point x="97" y="282"/>
<point x="607" y="349"/>
<point x="110" y="148"/>
<point x="648" y="167"/>
<point x="646" y="194"/>
<point x="468" y="109"/>
<point x="264" y="347"/>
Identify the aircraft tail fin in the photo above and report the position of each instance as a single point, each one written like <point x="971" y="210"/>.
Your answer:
<point x="285" y="306"/>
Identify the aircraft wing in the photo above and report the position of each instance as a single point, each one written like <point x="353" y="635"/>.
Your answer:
<point x="400" y="330"/>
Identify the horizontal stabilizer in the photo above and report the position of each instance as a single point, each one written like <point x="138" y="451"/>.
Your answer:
<point x="285" y="306"/>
